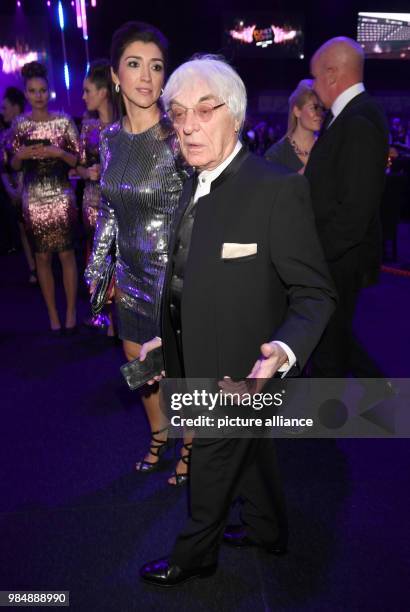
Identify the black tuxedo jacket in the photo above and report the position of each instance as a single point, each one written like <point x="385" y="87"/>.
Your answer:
<point x="231" y="306"/>
<point x="346" y="172"/>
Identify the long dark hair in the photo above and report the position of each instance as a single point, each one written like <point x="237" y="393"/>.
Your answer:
<point x="128" y="33"/>
<point x="99" y="73"/>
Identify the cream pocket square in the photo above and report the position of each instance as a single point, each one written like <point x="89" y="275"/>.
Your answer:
<point x="233" y="250"/>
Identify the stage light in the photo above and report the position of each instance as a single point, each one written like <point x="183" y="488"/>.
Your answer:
<point x="78" y="14"/>
<point x="66" y="76"/>
<point x="94" y="3"/>
<point x="13" y="60"/>
<point x="18" y="4"/>
<point x="61" y="15"/>
<point x="48" y="3"/>
<point x="84" y="19"/>
<point x="53" y="95"/>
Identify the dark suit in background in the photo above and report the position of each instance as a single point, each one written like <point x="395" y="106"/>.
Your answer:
<point x="346" y="171"/>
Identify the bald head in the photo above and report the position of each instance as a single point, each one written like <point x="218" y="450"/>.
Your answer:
<point x="336" y="66"/>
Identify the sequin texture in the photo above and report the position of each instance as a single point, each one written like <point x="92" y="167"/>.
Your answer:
<point x="48" y="199"/>
<point x="142" y="178"/>
<point x="90" y="155"/>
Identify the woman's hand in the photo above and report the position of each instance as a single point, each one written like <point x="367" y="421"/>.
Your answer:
<point x="92" y="286"/>
<point x="110" y="290"/>
<point x="27" y="152"/>
<point x="48" y="152"/>
<point x="94" y="172"/>
<point x="145" y="349"/>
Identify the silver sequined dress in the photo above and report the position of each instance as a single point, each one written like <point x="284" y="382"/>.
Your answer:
<point x="141" y="181"/>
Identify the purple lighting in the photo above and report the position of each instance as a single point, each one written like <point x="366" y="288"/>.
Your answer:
<point x="18" y="4"/>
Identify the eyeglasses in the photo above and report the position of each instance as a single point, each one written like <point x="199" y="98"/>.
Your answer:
<point x="203" y="111"/>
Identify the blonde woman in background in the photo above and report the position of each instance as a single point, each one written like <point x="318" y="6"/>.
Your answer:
<point x="304" y="121"/>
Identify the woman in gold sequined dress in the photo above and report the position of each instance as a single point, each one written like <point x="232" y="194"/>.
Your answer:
<point x="97" y="95"/>
<point x="45" y="146"/>
<point x="97" y="98"/>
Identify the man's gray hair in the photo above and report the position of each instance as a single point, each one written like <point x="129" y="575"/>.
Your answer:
<point x="224" y="82"/>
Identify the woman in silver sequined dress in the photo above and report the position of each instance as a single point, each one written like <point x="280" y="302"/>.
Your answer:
<point x="45" y="146"/>
<point x="141" y="182"/>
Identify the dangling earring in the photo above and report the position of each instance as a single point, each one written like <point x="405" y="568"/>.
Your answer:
<point x="117" y="88"/>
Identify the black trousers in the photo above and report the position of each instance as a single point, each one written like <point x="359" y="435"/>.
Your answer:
<point x="221" y="471"/>
<point x="339" y="352"/>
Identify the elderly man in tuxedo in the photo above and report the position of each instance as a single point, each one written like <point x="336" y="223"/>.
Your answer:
<point x="346" y="171"/>
<point x="247" y="293"/>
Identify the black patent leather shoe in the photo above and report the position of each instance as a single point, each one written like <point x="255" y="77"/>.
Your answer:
<point x="236" y="535"/>
<point x="162" y="573"/>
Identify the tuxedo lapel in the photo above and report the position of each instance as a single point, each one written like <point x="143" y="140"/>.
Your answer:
<point x="188" y="193"/>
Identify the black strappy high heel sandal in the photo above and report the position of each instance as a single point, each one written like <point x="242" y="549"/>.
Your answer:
<point x="182" y="479"/>
<point x="156" y="448"/>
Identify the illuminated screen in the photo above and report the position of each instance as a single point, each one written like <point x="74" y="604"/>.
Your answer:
<point x="272" y="34"/>
<point x="384" y="35"/>
<point x="22" y="39"/>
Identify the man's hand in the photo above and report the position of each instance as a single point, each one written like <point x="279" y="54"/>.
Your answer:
<point x="272" y="358"/>
<point x="145" y="349"/>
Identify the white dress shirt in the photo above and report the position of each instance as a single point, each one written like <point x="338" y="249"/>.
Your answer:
<point x="344" y="98"/>
<point x="205" y="179"/>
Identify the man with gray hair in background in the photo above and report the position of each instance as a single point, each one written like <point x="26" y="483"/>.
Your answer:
<point x="346" y="172"/>
<point x="247" y="294"/>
